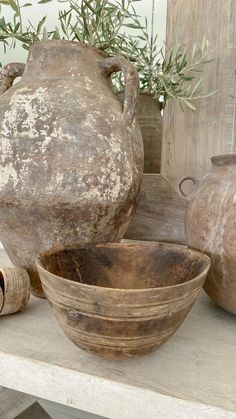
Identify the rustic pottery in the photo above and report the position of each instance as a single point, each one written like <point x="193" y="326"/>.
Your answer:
<point x="15" y="289"/>
<point x="211" y="227"/>
<point x="150" y="122"/>
<point x="71" y="156"/>
<point x="121" y="300"/>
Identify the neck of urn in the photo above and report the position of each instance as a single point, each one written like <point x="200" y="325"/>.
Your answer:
<point x="59" y="59"/>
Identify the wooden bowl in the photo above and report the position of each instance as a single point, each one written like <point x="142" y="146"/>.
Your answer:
<point x="120" y="300"/>
<point x="1" y="299"/>
<point x="15" y="290"/>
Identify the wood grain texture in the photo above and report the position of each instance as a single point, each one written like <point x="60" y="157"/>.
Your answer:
<point x="160" y="213"/>
<point x="1" y="298"/>
<point x="190" y="139"/>
<point x="16" y="289"/>
<point x="94" y="291"/>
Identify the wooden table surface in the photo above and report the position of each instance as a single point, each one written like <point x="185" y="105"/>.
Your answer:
<point x="192" y="376"/>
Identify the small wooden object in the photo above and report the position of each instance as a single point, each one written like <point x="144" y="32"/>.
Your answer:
<point x="15" y="289"/>
<point x="1" y="299"/>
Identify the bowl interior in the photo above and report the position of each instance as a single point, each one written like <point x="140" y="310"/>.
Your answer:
<point x="126" y="266"/>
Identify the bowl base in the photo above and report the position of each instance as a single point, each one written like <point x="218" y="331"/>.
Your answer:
<point x="117" y="353"/>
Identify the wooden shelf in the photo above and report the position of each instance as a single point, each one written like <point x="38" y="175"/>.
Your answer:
<point x="192" y="376"/>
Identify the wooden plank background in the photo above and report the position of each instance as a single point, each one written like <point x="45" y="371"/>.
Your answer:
<point x="190" y="139"/>
<point x="160" y="213"/>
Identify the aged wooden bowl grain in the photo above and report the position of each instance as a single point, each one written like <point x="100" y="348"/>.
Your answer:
<point x="15" y="290"/>
<point x="120" y="300"/>
<point x="1" y="299"/>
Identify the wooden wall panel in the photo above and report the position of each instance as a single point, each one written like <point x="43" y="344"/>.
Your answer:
<point x="160" y="213"/>
<point x="190" y="139"/>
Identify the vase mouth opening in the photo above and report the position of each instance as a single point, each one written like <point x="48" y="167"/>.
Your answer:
<point x="225" y="159"/>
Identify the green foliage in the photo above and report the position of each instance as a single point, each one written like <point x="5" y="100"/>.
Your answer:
<point x="11" y="32"/>
<point x="102" y="24"/>
<point x="94" y="22"/>
<point x="173" y="76"/>
<point x="97" y="22"/>
<point x="177" y="76"/>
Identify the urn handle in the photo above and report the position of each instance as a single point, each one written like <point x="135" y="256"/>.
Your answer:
<point x="118" y="63"/>
<point x="8" y="74"/>
<point x="194" y="181"/>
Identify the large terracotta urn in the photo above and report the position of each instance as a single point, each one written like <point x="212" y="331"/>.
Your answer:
<point x="211" y="227"/>
<point x="71" y="156"/>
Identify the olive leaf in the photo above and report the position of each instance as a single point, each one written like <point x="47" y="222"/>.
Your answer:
<point x="103" y="24"/>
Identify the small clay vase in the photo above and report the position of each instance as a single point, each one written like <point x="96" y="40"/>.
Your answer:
<point x="211" y="228"/>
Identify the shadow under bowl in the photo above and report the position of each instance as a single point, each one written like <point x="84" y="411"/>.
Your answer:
<point x="120" y="300"/>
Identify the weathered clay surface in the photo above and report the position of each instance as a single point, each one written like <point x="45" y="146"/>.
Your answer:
<point x="8" y="74"/>
<point x="150" y="122"/>
<point x="122" y="300"/>
<point x="70" y="157"/>
<point x="211" y="228"/>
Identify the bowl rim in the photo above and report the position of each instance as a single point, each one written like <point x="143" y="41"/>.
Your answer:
<point x="57" y="249"/>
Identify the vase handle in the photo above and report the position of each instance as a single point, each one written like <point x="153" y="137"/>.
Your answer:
<point x="8" y="74"/>
<point x="193" y="179"/>
<point x="118" y="63"/>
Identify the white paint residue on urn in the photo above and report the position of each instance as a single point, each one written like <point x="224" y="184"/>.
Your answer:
<point x="70" y="156"/>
